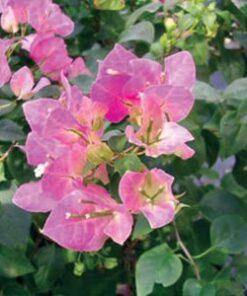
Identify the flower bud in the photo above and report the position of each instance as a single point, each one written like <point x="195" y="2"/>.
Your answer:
<point x="8" y="21"/>
<point x="99" y="153"/>
<point x="79" y="268"/>
<point x="170" y="24"/>
<point x="110" y="263"/>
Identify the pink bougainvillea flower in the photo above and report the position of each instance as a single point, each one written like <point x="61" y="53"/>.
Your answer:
<point x="22" y="83"/>
<point x="157" y="135"/>
<point x="51" y="55"/>
<point x="140" y="75"/>
<point x="84" y="220"/>
<point x="62" y="175"/>
<point x="150" y="193"/>
<point x="32" y="198"/>
<point x="5" y="72"/>
<point x="43" y="15"/>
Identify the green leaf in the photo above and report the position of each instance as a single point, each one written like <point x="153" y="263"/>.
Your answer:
<point x="109" y="4"/>
<point x="141" y="228"/>
<point x="236" y="91"/>
<point x="241" y="5"/>
<point x="14" y="222"/>
<point x="228" y="234"/>
<point x="84" y="83"/>
<point x="12" y="289"/>
<point x="158" y="265"/>
<point x="220" y="202"/>
<point x="118" y="143"/>
<point x="2" y="174"/>
<point x="205" y="92"/>
<point x="185" y="22"/>
<point x="6" y="106"/>
<point x="233" y="128"/>
<point x="50" y="262"/>
<point x="10" y="131"/>
<point x="232" y="66"/>
<point x="128" y="163"/>
<point x="193" y="287"/>
<point x="13" y="263"/>
<point x="151" y="8"/>
<point x="143" y="31"/>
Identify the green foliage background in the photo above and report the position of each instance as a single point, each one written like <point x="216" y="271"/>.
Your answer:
<point x="213" y="228"/>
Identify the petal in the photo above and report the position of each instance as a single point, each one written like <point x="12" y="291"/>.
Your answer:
<point x="77" y="68"/>
<point x="31" y="197"/>
<point x="180" y="70"/>
<point x="173" y="137"/>
<point x="159" y="215"/>
<point x="131" y="136"/>
<point x="61" y="176"/>
<point x="75" y="233"/>
<point x="40" y="150"/>
<point x="176" y="102"/>
<point x="128" y="190"/>
<point x="117" y="61"/>
<point x="120" y="226"/>
<point x="41" y="84"/>
<point x="22" y="82"/>
<point x="5" y="72"/>
<point x="108" y="90"/>
<point x="37" y="111"/>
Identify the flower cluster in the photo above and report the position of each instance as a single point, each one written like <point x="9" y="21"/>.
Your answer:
<point x="42" y="26"/>
<point x="67" y="143"/>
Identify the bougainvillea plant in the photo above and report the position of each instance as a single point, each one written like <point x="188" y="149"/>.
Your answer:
<point x="120" y="174"/>
<point x="68" y="148"/>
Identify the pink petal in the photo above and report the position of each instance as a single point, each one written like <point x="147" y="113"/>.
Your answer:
<point x="159" y="215"/>
<point x="40" y="150"/>
<point x="132" y="138"/>
<point x="108" y="90"/>
<point x="37" y="111"/>
<point x="77" y="68"/>
<point x="5" y="72"/>
<point x="120" y="226"/>
<point x="44" y="16"/>
<point x="61" y="176"/>
<point x="180" y="70"/>
<point x="22" y="82"/>
<point x="31" y="197"/>
<point x="176" y="102"/>
<point x="41" y="84"/>
<point x="116" y="62"/>
<point x="128" y="190"/>
<point x="172" y="138"/>
<point x="62" y="126"/>
<point x="102" y="174"/>
<point x="76" y="234"/>
<point x="8" y="20"/>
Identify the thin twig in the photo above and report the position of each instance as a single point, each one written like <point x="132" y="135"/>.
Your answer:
<point x="186" y="252"/>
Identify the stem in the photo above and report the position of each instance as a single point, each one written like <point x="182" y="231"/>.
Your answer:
<point x="199" y="256"/>
<point x="186" y="252"/>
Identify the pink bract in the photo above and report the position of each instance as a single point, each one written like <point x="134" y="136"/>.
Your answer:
<point x="86" y="218"/>
<point x="150" y="193"/>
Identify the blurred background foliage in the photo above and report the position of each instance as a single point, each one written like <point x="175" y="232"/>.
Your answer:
<point x="214" y="182"/>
